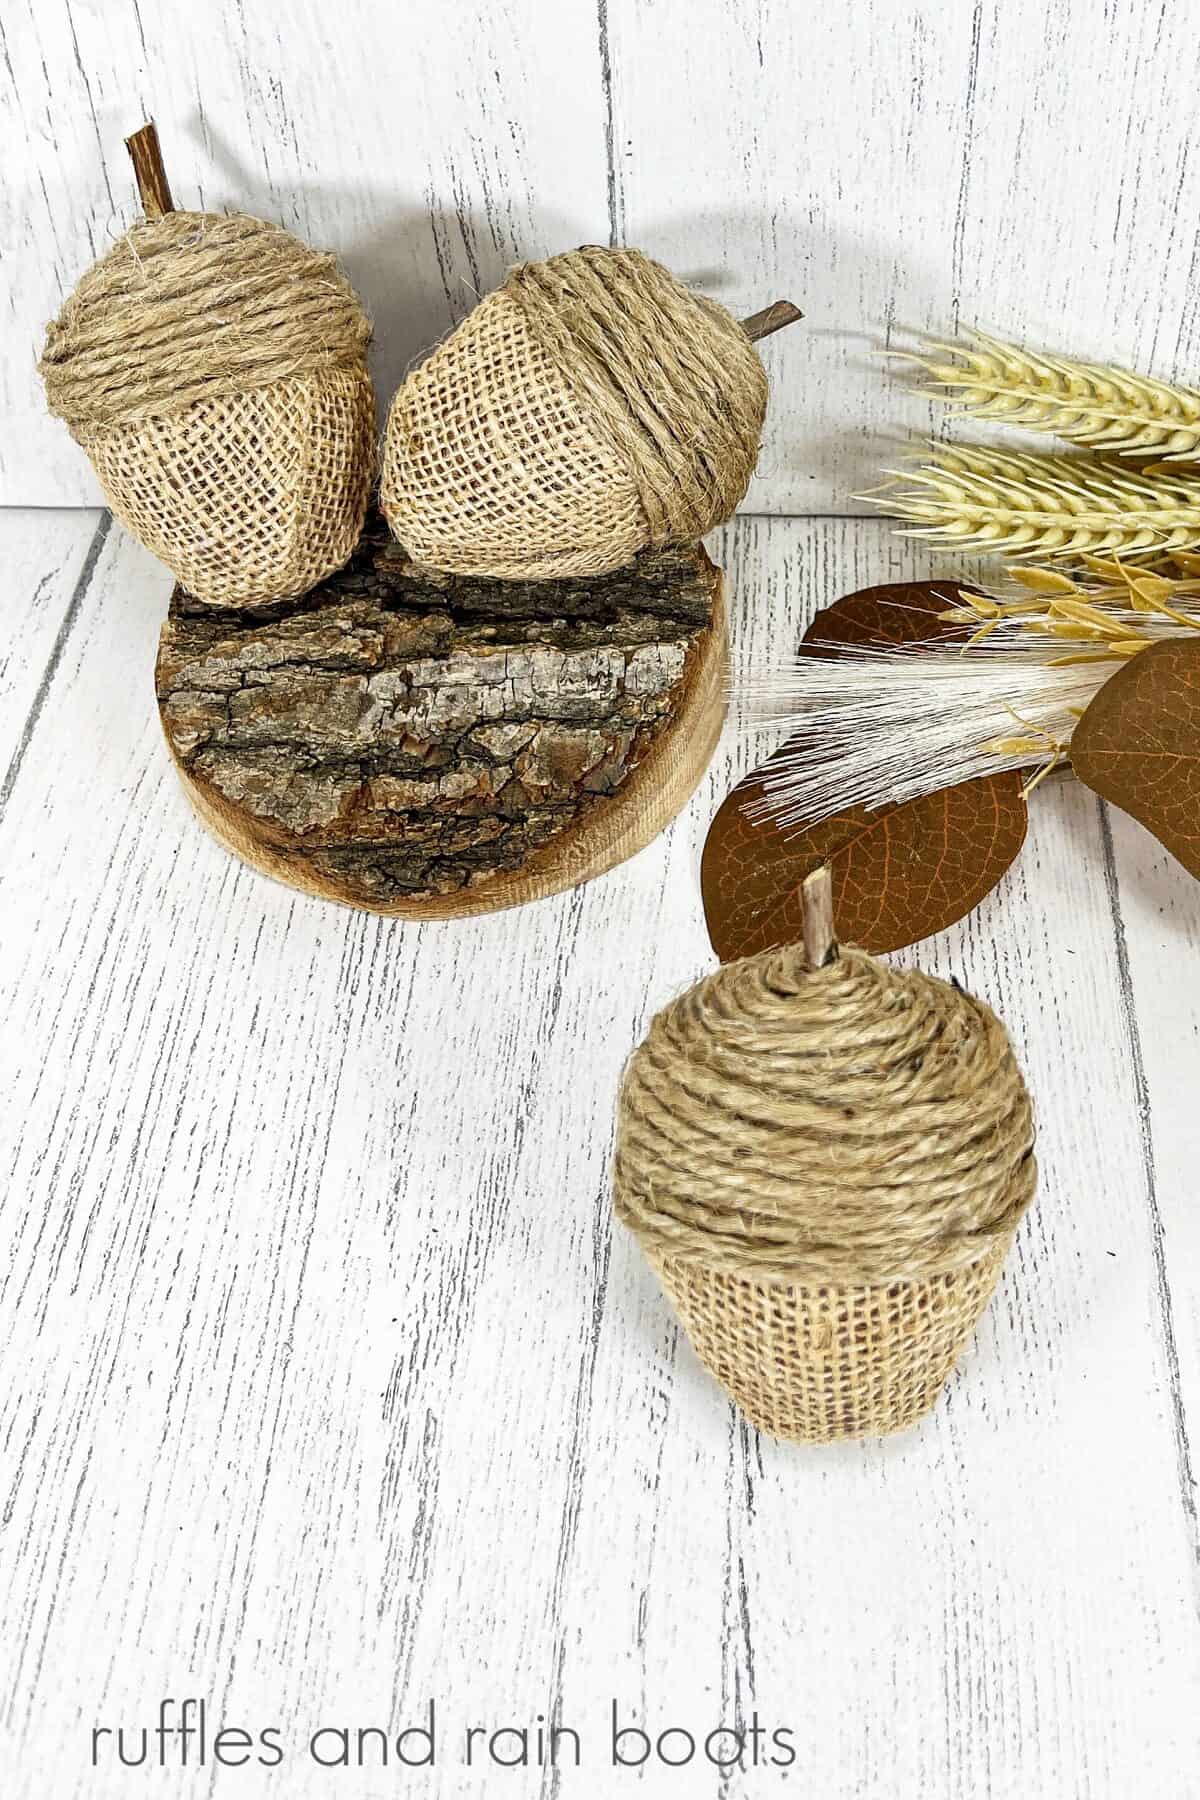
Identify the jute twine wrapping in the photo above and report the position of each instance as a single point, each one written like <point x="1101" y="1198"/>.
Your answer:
<point x="591" y="407"/>
<point x="826" y="1169"/>
<point x="214" y="370"/>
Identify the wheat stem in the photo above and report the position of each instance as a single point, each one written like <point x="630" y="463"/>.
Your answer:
<point x="1087" y="403"/>
<point x="1114" y="610"/>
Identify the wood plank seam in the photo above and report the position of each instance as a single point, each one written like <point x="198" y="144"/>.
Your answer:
<point x="70" y="615"/>
<point x="616" y="197"/>
<point x="1141" y="1088"/>
<point x="581" y="1414"/>
<point x="738" y="1692"/>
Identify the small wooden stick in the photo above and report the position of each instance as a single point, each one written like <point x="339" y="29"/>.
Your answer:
<point x="820" y="942"/>
<point x="771" y="318"/>
<point x="144" y="151"/>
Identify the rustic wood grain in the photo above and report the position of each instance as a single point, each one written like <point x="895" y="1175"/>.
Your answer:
<point x="904" y="165"/>
<point x="154" y="188"/>
<point x="327" y="1388"/>
<point x="48" y="562"/>
<point x="431" y="746"/>
<point x="1155" y="911"/>
<point x="909" y="166"/>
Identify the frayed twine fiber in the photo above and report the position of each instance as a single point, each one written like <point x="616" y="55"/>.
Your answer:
<point x="825" y="1168"/>
<point x="591" y="407"/>
<point x="214" y="370"/>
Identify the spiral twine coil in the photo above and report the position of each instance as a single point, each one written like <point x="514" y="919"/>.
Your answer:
<point x="826" y="1168"/>
<point x="214" y="369"/>
<point x="590" y="408"/>
<point x="190" y="307"/>
<point x="670" y="378"/>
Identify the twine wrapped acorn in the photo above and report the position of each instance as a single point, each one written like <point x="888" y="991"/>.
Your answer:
<point x="825" y="1161"/>
<point x="214" y="370"/>
<point x="590" y="408"/>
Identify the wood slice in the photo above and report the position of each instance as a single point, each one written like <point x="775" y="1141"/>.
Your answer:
<point x="429" y="746"/>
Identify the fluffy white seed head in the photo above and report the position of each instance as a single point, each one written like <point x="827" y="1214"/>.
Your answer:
<point x="876" y="726"/>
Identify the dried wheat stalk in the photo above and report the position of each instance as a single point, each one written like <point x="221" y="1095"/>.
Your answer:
<point x="878" y="726"/>
<point x="1086" y="403"/>
<point x="1050" y="507"/>
<point x="1116" y="608"/>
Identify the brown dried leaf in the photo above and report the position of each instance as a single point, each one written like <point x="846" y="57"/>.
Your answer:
<point x="900" y="873"/>
<point x="900" y="612"/>
<point x="1138" y="744"/>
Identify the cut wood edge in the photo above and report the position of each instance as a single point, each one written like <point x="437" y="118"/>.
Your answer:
<point x="820" y="938"/>
<point x="615" y="828"/>
<point x="770" y="319"/>
<point x="154" y="190"/>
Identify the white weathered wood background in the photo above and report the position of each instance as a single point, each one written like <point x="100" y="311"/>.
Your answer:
<point x="911" y="163"/>
<point x="324" y="1387"/>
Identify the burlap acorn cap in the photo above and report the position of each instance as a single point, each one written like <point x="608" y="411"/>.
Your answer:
<point x="214" y="369"/>
<point x="826" y="1168"/>
<point x="590" y="408"/>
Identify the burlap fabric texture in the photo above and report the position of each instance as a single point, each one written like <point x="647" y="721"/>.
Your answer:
<point x="591" y="407"/>
<point x="826" y="1169"/>
<point x="214" y="370"/>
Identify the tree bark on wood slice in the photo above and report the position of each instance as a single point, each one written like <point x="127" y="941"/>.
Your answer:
<point x="429" y="746"/>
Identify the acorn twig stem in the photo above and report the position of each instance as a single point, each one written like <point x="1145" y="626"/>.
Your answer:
<point x="146" y="156"/>
<point x="771" y="318"/>
<point x="820" y="941"/>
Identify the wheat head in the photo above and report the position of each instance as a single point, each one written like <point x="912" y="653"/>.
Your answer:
<point x="1050" y="508"/>
<point x="1086" y="403"/>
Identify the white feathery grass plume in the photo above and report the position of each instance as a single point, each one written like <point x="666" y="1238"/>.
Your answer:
<point x="1056" y="508"/>
<point x="1093" y="404"/>
<point x="877" y="726"/>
